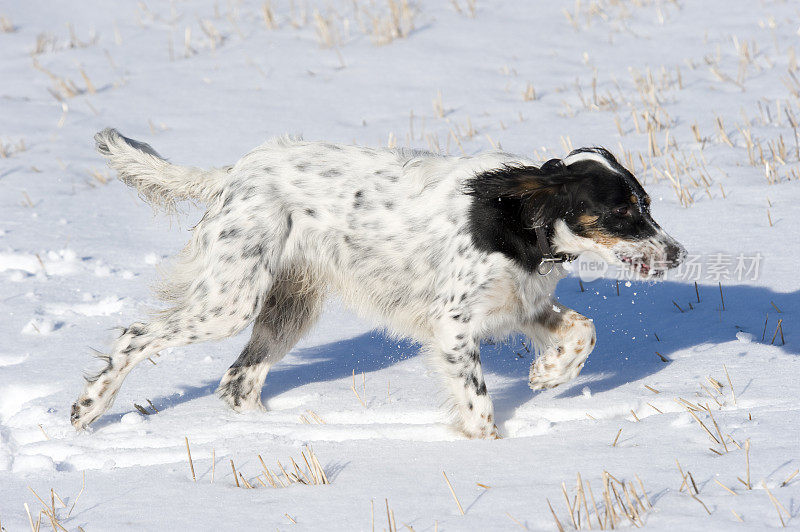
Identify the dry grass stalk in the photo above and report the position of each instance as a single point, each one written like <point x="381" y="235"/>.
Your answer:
<point x="685" y="483"/>
<point x="726" y="488"/>
<point x="529" y="94"/>
<point x="558" y="523"/>
<point x="777" y="504"/>
<point x="60" y="500"/>
<point x="268" y="15"/>
<point x="618" y="499"/>
<point x="353" y="387"/>
<point x="390" y="517"/>
<point x="470" y="12"/>
<point x="778" y="328"/>
<point x="397" y="24"/>
<point x="244" y="481"/>
<point x="651" y="389"/>
<point x="189" y="453"/>
<point x="715" y="383"/>
<point x="314" y="474"/>
<point x="458" y="142"/>
<point x="719" y="432"/>
<point x="733" y="394"/>
<point x="693" y="496"/>
<point x="49" y="511"/>
<point x="747" y="458"/>
<point x="7" y="150"/>
<point x="453" y="492"/>
<point x="438" y="106"/>
<point x="188" y="51"/>
<point x="83" y="485"/>
<point x="794" y="474"/>
<point x="570" y="506"/>
<point x="327" y="34"/>
<point x="6" y="26"/>
<point x="710" y="434"/>
<point x="235" y="476"/>
<point x="722" y="134"/>
<point x="30" y="519"/>
<point x="582" y="498"/>
<point x="495" y="145"/>
<point x="616" y="438"/>
<point x="711" y="395"/>
<point x="516" y="521"/>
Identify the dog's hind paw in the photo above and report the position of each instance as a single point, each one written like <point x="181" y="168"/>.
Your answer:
<point x="84" y="412"/>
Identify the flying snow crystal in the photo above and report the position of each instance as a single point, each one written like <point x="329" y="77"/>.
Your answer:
<point x="744" y="337"/>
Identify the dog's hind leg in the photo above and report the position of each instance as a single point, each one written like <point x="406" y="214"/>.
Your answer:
<point x="290" y="308"/>
<point x="178" y="326"/>
<point x="564" y="339"/>
<point x="213" y="298"/>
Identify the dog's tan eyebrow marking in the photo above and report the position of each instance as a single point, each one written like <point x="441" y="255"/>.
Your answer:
<point x="647" y="200"/>
<point x="634" y="199"/>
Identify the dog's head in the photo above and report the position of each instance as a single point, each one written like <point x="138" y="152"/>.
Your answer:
<point x="584" y="202"/>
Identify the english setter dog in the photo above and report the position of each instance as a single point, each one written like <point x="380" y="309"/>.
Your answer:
<point x="443" y="250"/>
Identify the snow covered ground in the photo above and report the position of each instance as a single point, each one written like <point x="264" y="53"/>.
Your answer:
<point x="698" y="98"/>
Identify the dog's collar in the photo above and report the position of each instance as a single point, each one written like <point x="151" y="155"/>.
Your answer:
<point x="548" y="257"/>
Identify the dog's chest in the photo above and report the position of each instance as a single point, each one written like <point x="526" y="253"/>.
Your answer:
<point x="515" y="294"/>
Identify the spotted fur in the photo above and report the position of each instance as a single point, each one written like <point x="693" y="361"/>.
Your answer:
<point x="436" y="248"/>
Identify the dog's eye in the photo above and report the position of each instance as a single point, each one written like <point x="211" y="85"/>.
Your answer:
<point x="621" y="211"/>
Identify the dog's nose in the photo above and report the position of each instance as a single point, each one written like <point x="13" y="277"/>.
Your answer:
<point x="676" y="254"/>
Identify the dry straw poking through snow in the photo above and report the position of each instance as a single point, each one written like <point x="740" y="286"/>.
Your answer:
<point x="312" y="474"/>
<point x="453" y="492"/>
<point x="619" y="500"/>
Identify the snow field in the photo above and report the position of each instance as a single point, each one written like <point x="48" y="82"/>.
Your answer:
<point x="699" y="99"/>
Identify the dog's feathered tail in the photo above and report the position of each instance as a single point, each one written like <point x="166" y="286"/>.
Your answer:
<point x="160" y="183"/>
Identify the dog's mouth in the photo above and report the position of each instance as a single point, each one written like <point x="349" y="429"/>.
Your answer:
<point x="642" y="267"/>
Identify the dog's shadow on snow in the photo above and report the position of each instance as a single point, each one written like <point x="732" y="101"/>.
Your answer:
<point x="648" y="321"/>
<point x="632" y="328"/>
<point x="365" y="353"/>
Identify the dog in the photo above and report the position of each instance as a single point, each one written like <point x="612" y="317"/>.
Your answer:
<point x="443" y="250"/>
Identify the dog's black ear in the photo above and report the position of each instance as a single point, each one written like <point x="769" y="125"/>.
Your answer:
<point x="510" y="201"/>
<point x="552" y="166"/>
<point x="537" y="195"/>
<point x="547" y="196"/>
<point x="514" y="181"/>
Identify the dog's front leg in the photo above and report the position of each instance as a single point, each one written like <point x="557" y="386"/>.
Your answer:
<point x="456" y="352"/>
<point x="564" y="339"/>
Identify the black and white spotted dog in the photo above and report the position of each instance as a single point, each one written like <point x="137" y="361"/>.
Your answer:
<point x="444" y="250"/>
